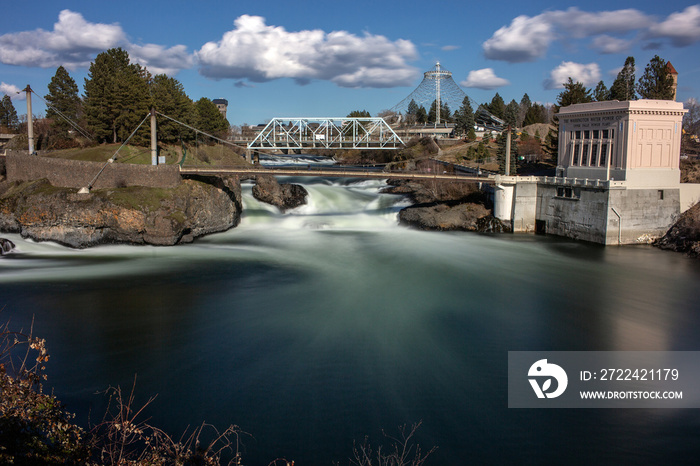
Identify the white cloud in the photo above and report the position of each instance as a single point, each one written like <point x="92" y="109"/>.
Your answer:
<point x="258" y="52"/>
<point x="13" y="91"/>
<point x="74" y="43"/>
<point x="681" y="28"/>
<point x="484" y="79"/>
<point x="607" y="45"/>
<point x="528" y="38"/>
<point x="449" y="48"/>
<point x="161" y="60"/>
<point x="587" y="74"/>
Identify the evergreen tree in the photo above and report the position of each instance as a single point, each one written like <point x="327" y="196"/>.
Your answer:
<point x="8" y="114"/>
<point x="64" y="102"/>
<point x="623" y="88"/>
<point x="501" y="140"/>
<point x="116" y="95"/>
<point x="497" y="107"/>
<point x="421" y="115"/>
<point x="359" y="114"/>
<point x="445" y="113"/>
<point x="464" y="118"/>
<point x="601" y="92"/>
<point x="510" y="115"/>
<point x="524" y="107"/>
<point x="412" y="112"/>
<point x="169" y="98"/>
<point x="656" y="82"/>
<point x="209" y="119"/>
<point x="535" y="114"/>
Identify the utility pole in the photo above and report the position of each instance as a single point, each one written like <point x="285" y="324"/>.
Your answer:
<point x="30" y="121"/>
<point x="507" y="171"/>
<point x="154" y="138"/>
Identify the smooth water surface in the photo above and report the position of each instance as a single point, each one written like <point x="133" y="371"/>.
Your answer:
<point x="317" y="327"/>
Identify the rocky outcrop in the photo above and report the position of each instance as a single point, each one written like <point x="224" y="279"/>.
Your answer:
<point x="684" y="235"/>
<point x="136" y="215"/>
<point x="6" y="246"/>
<point x="464" y="217"/>
<point x="284" y="196"/>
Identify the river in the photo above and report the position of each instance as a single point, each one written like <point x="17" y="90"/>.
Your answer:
<point x="314" y="328"/>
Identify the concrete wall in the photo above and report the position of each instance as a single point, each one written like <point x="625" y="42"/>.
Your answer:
<point x="525" y="206"/>
<point x="582" y="216"/>
<point x="78" y="174"/>
<point x="646" y="214"/>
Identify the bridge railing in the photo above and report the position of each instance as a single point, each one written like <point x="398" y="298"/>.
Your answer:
<point x="327" y="133"/>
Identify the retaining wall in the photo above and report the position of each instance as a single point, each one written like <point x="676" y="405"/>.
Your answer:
<point x="78" y="174"/>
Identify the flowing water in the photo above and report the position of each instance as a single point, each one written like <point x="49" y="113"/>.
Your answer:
<point x="314" y="328"/>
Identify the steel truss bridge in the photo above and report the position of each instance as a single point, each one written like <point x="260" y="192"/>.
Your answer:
<point x="326" y="133"/>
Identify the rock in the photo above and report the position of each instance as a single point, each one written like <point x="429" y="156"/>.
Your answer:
<point x="6" y="246"/>
<point x="684" y="235"/>
<point x="464" y="217"/>
<point x="135" y="215"/>
<point x="283" y="196"/>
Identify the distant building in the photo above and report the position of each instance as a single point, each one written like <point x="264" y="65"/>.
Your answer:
<point x="672" y="71"/>
<point x="222" y="105"/>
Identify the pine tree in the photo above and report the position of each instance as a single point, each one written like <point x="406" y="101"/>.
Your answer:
<point x="623" y="88"/>
<point x="497" y="107"/>
<point x="209" y="119"/>
<point x="464" y="118"/>
<point x="64" y="102"/>
<point x="601" y="92"/>
<point x="412" y="112"/>
<point x="169" y="98"/>
<point x="656" y="82"/>
<point x="8" y="114"/>
<point x="116" y="95"/>
<point x="510" y="115"/>
<point x="524" y="107"/>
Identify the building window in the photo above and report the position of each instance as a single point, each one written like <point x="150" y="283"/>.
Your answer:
<point x="584" y="155"/>
<point x="604" y="154"/>
<point x="661" y="194"/>
<point x="576" y="154"/>
<point x="594" y="154"/>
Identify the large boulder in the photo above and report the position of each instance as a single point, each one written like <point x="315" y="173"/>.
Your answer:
<point x="283" y="196"/>
<point x="464" y="217"/>
<point x="135" y="215"/>
<point x="684" y="235"/>
<point x="6" y="246"/>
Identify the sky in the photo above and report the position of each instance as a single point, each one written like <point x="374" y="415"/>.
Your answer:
<point x="325" y="59"/>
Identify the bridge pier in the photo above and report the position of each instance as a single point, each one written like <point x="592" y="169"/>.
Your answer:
<point x="249" y="155"/>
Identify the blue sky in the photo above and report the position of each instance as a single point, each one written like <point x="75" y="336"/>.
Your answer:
<point x="325" y="59"/>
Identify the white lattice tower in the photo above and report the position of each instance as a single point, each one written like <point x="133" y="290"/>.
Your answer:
<point x="439" y="87"/>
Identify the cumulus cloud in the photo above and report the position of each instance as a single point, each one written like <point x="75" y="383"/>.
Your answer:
<point x="484" y="79"/>
<point x="681" y="28"/>
<point x="587" y="74"/>
<point x="74" y="43"/>
<point x="11" y="90"/>
<point x="257" y="52"/>
<point x="161" y="60"/>
<point x="528" y="38"/>
<point x="607" y="45"/>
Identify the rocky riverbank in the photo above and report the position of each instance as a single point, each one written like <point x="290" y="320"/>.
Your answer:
<point x="684" y="235"/>
<point x="446" y="206"/>
<point x="134" y="215"/>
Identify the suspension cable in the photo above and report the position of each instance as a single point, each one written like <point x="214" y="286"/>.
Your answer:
<point x="114" y="157"/>
<point x="83" y="132"/>
<point x="199" y="131"/>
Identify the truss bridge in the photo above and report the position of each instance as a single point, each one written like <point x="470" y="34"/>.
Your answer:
<point x="326" y="133"/>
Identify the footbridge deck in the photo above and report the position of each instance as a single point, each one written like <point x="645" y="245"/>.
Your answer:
<point x="333" y="173"/>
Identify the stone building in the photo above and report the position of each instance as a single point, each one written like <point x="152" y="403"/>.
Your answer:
<point x="618" y="179"/>
<point x="222" y="105"/>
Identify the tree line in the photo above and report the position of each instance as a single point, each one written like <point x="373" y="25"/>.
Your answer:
<point x="117" y="96"/>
